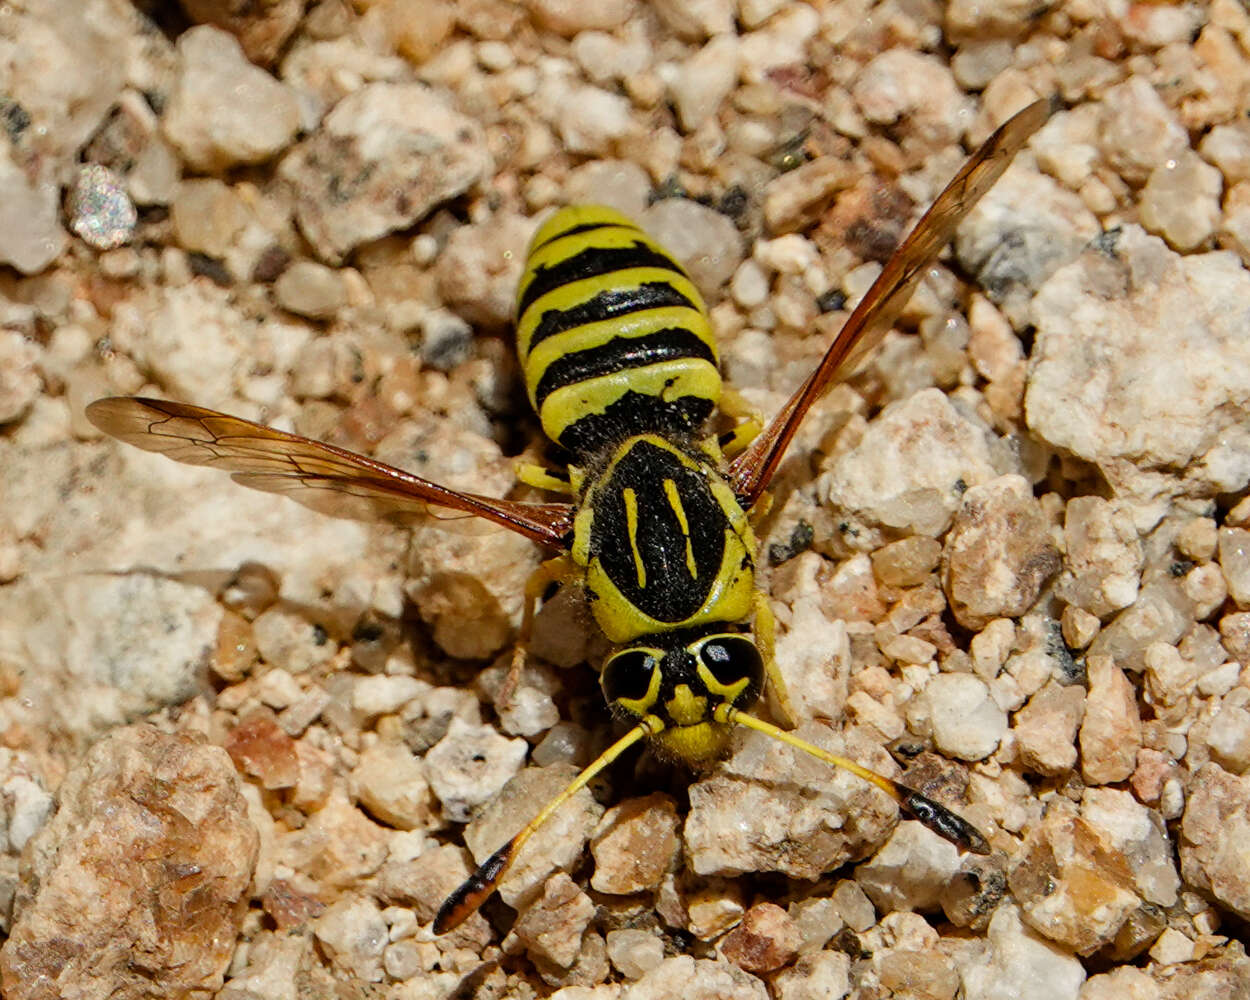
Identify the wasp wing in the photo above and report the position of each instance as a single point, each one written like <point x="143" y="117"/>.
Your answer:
<point x="750" y="472"/>
<point x="327" y="479"/>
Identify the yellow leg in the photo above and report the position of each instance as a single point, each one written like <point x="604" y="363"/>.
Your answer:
<point x="557" y="570"/>
<point x="750" y="422"/>
<point x="765" y="642"/>
<point x="473" y="892"/>
<point x="540" y="477"/>
<point x="935" y="816"/>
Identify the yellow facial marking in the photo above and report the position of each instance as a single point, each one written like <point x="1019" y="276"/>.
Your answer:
<point x="674" y="501"/>
<point x="686" y="708"/>
<point x="631" y="527"/>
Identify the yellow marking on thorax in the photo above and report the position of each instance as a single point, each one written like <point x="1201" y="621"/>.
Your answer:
<point x="674" y="501"/>
<point x="631" y="526"/>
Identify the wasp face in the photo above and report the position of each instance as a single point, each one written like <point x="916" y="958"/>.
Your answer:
<point x="679" y="687"/>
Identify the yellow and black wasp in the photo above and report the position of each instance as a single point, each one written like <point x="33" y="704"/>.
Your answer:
<point x="620" y="364"/>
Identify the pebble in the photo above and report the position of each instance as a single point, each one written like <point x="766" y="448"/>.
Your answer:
<point x="478" y="269"/>
<point x="159" y="638"/>
<point x="1103" y="560"/>
<point x="1138" y="131"/>
<point x="1025" y="229"/>
<point x="223" y="111"/>
<point x="853" y="905"/>
<point x="907" y="562"/>
<point x="263" y="750"/>
<point x="100" y="210"/>
<point x="1170" y="677"/>
<point x="1045" y="729"/>
<point x="764" y="941"/>
<point x="1215" y="828"/>
<point x="588" y="120"/>
<point x="31" y="236"/>
<point x="1130" y="319"/>
<point x="1229" y="737"/>
<point x="1172" y="948"/>
<point x="711" y="907"/>
<point x="27" y="803"/>
<point x="1071" y="884"/>
<point x="963" y="717"/>
<point x="468" y="587"/>
<point x="1123" y="983"/>
<point x="338" y="845"/>
<point x="309" y="289"/>
<point x="634" y="952"/>
<point x="998" y="553"/>
<point x="91" y="903"/>
<point x="812" y="651"/>
<point x="20" y="384"/>
<point x="798" y="198"/>
<point x="636" y="845"/>
<point x="910" y="871"/>
<point x="906" y="471"/>
<point x="991" y="646"/>
<point x="783" y="41"/>
<point x="551" y="927"/>
<point x="913" y="87"/>
<point x="1111" y="730"/>
<point x="1018" y="964"/>
<point x="1140" y="835"/>
<point x="1228" y="147"/>
<point x="289" y="641"/>
<point x="818" y="920"/>
<point x="353" y="933"/>
<point x="1234" y="555"/>
<point x="1181" y="201"/>
<point x="261" y="31"/>
<point x="385" y="156"/>
<point x="697" y="979"/>
<point x="1079" y="627"/>
<point x="384" y="694"/>
<point x="704" y="80"/>
<point x="470" y="765"/>
<point x="697" y="19"/>
<point x="569" y="17"/>
<point x="823" y="975"/>
<point x="706" y="242"/>
<point x="389" y="781"/>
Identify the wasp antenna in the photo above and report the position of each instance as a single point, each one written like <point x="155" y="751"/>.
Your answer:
<point x="477" y="888"/>
<point x="936" y="817"/>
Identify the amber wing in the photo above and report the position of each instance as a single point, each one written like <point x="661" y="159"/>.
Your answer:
<point x="751" y="471"/>
<point x="318" y="475"/>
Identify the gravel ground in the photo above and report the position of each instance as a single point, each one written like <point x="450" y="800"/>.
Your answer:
<point x="246" y="750"/>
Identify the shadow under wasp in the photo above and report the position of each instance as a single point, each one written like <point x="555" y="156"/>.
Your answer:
<point x="620" y="363"/>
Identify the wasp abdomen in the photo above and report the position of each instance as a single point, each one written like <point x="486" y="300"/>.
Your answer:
<point x="612" y="334"/>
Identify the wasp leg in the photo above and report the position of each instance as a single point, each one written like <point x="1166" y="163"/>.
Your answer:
<point x="942" y="821"/>
<point x="750" y="422"/>
<point x="542" y="478"/>
<point x="476" y="889"/>
<point x="558" y="570"/>
<point x="765" y="641"/>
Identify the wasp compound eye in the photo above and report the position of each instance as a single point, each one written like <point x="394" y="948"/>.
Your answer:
<point x="731" y="659"/>
<point x="627" y="676"/>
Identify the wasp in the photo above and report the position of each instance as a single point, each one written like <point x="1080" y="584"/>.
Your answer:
<point x="620" y="363"/>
